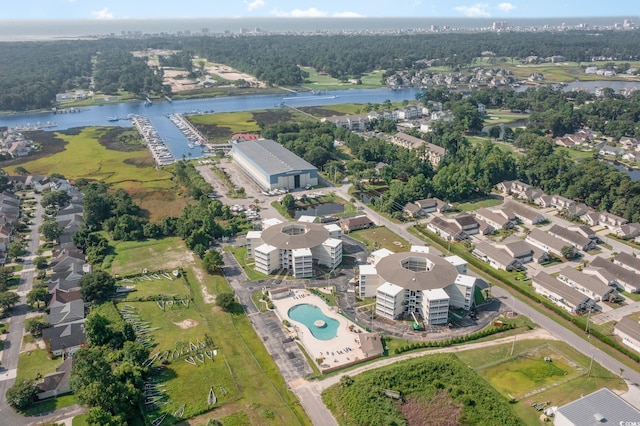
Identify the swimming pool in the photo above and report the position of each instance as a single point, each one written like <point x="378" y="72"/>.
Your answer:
<point x="308" y="315"/>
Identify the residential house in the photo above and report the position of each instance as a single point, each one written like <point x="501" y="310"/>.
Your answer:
<point x="547" y="242"/>
<point x="587" y="284"/>
<point x="447" y="230"/>
<point x="544" y="201"/>
<point x="632" y="156"/>
<point x="467" y="223"/>
<point x="627" y="261"/>
<point x="560" y="202"/>
<point x="513" y="187"/>
<point x="349" y="224"/>
<point x="65" y="313"/>
<point x="413" y="210"/>
<point x="625" y="278"/>
<point x="591" y="218"/>
<point x="370" y="344"/>
<point x="430" y="205"/>
<point x="628" y="231"/>
<point x="65" y="339"/>
<point x="629" y="143"/>
<point x="497" y="257"/>
<point x="60" y="297"/>
<point x="560" y="294"/>
<point x="576" y="210"/>
<point x="523" y="213"/>
<point x="56" y="383"/>
<point x="531" y="194"/>
<point x="574" y="238"/>
<point x="611" y="151"/>
<point x="497" y="218"/>
<point x="629" y="331"/>
<point x="611" y="221"/>
<point x="433" y="153"/>
<point x="585" y="231"/>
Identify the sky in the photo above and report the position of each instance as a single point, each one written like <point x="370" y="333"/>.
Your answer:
<point x="167" y="9"/>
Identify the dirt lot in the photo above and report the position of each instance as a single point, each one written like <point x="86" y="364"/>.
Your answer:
<point x="228" y="73"/>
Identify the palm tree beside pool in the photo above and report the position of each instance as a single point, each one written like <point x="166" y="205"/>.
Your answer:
<point x="321" y="326"/>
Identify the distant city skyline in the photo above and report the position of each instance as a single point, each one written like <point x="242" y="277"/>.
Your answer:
<point x="189" y="9"/>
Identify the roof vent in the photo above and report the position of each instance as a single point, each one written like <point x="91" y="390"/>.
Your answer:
<point x="599" y="418"/>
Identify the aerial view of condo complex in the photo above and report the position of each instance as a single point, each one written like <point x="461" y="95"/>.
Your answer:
<point x="272" y="212"/>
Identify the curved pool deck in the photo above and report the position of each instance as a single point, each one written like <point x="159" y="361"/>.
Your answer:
<point x="327" y="349"/>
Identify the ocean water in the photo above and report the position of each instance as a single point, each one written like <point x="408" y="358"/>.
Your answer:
<point x="44" y="29"/>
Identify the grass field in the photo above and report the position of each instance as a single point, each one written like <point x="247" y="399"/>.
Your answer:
<point x="380" y="237"/>
<point x="495" y="117"/>
<point x="84" y="157"/>
<point x="245" y="379"/>
<point x="176" y="287"/>
<point x="131" y="257"/>
<point x="477" y="204"/>
<point x="372" y="80"/>
<point x="526" y="377"/>
<point x="240" y="253"/>
<point x="574" y="153"/>
<point x="36" y="361"/>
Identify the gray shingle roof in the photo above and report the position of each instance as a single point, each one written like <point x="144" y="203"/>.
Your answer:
<point x="272" y="157"/>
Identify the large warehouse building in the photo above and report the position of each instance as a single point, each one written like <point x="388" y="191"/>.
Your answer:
<point x="272" y="166"/>
<point x="295" y="246"/>
<point x="417" y="283"/>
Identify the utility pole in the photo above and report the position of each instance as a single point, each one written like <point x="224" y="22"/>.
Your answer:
<point x="591" y="364"/>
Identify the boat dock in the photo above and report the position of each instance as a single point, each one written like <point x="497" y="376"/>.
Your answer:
<point x="158" y="149"/>
<point x="192" y="134"/>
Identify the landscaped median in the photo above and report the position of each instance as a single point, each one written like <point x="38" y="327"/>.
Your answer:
<point x="525" y="289"/>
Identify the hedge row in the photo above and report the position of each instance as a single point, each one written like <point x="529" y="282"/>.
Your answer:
<point x="455" y="340"/>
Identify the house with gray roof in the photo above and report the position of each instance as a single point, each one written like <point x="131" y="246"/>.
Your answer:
<point x="628" y="261"/>
<point x="56" y="383"/>
<point x="495" y="217"/>
<point x="65" y="338"/>
<point x="523" y="213"/>
<point x="576" y="239"/>
<point x="64" y="313"/>
<point x="587" y="284"/>
<point x="625" y="278"/>
<point x="629" y="331"/>
<point x="496" y="257"/>
<point x="547" y="242"/>
<point x="447" y="230"/>
<point x="628" y="231"/>
<point x="561" y="294"/>
<point x="600" y="407"/>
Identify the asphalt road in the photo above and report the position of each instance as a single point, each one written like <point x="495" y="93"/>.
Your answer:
<point x="16" y="326"/>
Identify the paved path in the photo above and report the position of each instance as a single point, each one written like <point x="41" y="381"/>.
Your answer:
<point x="616" y="314"/>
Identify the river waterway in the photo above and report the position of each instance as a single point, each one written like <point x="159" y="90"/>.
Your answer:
<point x="173" y="137"/>
<point x="177" y="142"/>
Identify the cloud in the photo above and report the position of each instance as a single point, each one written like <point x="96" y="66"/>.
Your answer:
<point x="506" y="7"/>
<point x="313" y="12"/>
<point x="255" y="4"/>
<point x="478" y="10"/>
<point x="347" y="15"/>
<point x="102" y="14"/>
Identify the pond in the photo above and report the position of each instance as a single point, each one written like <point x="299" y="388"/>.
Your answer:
<point x="321" y="326"/>
<point x="322" y="209"/>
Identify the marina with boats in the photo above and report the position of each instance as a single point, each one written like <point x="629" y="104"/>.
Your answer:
<point x="156" y="145"/>
<point x="194" y="137"/>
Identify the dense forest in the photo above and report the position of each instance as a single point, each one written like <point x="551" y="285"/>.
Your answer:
<point x="33" y="72"/>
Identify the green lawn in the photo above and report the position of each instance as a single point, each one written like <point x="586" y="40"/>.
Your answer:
<point x="240" y="253"/>
<point x="36" y="361"/>
<point x="241" y="371"/>
<point x="131" y="257"/>
<point x="494" y="117"/>
<point x="526" y="371"/>
<point x="380" y="237"/>
<point x="477" y="204"/>
<point x="51" y="404"/>
<point x="574" y="153"/>
<point x="237" y="122"/>
<point x="176" y="287"/>
<point x="372" y="80"/>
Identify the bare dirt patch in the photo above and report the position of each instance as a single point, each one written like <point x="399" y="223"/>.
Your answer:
<point x="440" y="410"/>
<point x="186" y="324"/>
<point x="206" y="296"/>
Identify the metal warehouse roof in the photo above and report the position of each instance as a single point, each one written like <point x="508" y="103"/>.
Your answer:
<point x="599" y="407"/>
<point x="272" y="157"/>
